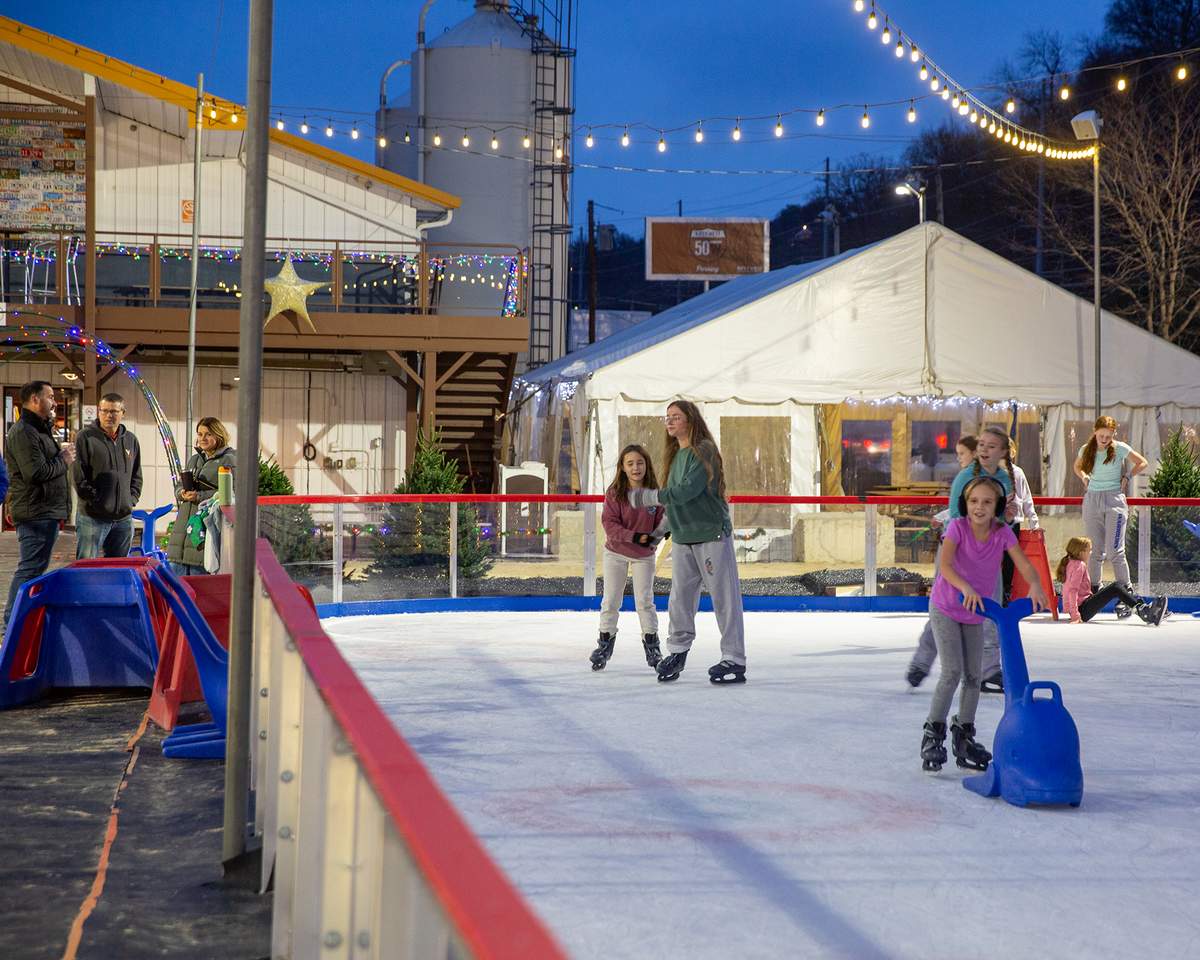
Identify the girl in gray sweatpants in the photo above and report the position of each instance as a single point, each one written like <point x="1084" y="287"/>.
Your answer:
<point x="1107" y="467"/>
<point x="698" y="515"/>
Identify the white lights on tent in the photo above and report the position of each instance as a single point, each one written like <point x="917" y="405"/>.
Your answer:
<point x="407" y="136"/>
<point x="495" y="144"/>
<point x="525" y="141"/>
<point x="437" y="138"/>
<point x="466" y="141"/>
<point x="558" y="151"/>
<point x="382" y="142"/>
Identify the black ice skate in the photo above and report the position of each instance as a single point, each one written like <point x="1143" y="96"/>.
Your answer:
<point x="671" y="666"/>
<point x="933" y="746"/>
<point x="727" y="672"/>
<point x="993" y="684"/>
<point x="1153" y="612"/>
<point x="604" y="651"/>
<point x="915" y="676"/>
<point x="967" y="752"/>
<point x="653" y="653"/>
<point x="1123" y="611"/>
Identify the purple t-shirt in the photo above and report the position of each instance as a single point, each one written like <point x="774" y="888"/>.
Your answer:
<point x="977" y="563"/>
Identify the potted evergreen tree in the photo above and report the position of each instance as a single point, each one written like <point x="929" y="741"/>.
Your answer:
<point x="1174" y="549"/>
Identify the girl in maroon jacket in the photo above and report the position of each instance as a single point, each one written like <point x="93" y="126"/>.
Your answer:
<point x="631" y="536"/>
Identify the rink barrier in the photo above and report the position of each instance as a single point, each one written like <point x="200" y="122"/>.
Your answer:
<point x="367" y="856"/>
<point x="869" y="504"/>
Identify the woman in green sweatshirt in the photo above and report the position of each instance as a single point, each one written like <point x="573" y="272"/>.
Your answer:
<point x="698" y="516"/>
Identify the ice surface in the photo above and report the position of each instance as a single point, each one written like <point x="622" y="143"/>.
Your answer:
<point x="789" y="817"/>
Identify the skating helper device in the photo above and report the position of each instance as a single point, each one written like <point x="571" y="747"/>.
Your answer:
<point x="1036" y="748"/>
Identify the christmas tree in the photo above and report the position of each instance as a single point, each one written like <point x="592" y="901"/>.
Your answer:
<point x="290" y="528"/>
<point x="1174" y="549"/>
<point x="417" y="535"/>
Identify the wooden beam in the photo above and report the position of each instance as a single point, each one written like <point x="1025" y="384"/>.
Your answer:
<point x="412" y="374"/>
<point x="454" y="368"/>
<point x="429" y="393"/>
<point x="41" y="116"/>
<point x="75" y="106"/>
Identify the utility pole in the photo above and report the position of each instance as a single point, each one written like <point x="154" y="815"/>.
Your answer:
<point x="941" y="200"/>
<point x="825" y="220"/>
<point x="678" y="283"/>
<point x="197" y="156"/>
<point x="591" y="272"/>
<point x="1038" y="253"/>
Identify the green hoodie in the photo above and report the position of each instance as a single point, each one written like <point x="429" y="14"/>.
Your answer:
<point x="696" y="510"/>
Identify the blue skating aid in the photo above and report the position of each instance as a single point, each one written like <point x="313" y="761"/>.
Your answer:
<point x="1036" y="747"/>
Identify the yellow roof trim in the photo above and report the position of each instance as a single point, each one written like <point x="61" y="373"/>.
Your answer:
<point x="368" y="170"/>
<point x="43" y="44"/>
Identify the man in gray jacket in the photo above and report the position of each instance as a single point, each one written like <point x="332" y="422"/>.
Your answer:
<point x="39" y="498"/>
<point x="108" y="479"/>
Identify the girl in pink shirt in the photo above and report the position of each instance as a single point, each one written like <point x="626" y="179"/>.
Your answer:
<point x="631" y="535"/>
<point x="1082" y="604"/>
<point x="973" y="548"/>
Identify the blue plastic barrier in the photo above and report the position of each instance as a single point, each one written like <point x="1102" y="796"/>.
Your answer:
<point x="197" y="741"/>
<point x="1036" y="747"/>
<point x="149" y="518"/>
<point x="78" y="627"/>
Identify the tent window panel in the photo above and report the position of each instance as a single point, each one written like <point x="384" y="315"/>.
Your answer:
<point x="933" y="459"/>
<point x="1029" y="454"/>
<point x="866" y="456"/>
<point x="1075" y="434"/>
<point x="649" y="433"/>
<point x="757" y="452"/>
<point x="1191" y="433"/>
<point x="566" y="479"/>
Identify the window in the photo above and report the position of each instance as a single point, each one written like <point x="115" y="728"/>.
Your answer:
<point x="932" y="457"/>
<point x="866" y="455"/>
<point x="757" y="452"/>
<point x="1075" y="435"/>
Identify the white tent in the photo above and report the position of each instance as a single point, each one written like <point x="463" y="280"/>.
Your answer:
<point x="926" y="317"/>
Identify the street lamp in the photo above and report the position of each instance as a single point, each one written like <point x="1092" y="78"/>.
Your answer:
<point x="1087" y="126"/>
<point x="914" y="190"/>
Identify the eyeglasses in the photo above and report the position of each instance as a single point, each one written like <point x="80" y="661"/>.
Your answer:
<point x="110" y="413"/>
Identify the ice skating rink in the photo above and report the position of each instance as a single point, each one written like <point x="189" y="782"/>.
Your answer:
<point x="789" y="817"/>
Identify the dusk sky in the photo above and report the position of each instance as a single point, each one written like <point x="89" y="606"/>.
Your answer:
<point x="663" y="64"/>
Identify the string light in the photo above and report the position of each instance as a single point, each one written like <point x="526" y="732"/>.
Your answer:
<point x="279" y="124"/>
<point x="437" y="138"/>
<point x="466" y="141"/>
<point x="924" y="74"/>
<point x="496" y="143"/>
<point x="1122" y="83"/>
<point x="212" y="112"/>
<point x="407" y="136"/>
<point x="662" y="143"/>
<point x="328" y="128"/>
<point x="625" y="138"/>
<point x="935" y="83"/>
<point x="304" y="126"/>
<point x="737" y="129"/>
<point x="1010" y="106"/>
<point x="1181" y="72"/>
<point x="955" y="102"/>
<point x="886" y="36"/>
<point x="821" y="117"/>
<point x="354" y="132"/>
<point x="588" y="141"/>
<point x="945" y="93"/>
<point x="899" y="49"/>
<point x="866" y="119"/>
<point x="525" y="141"/>
<point x="233" y="117"/>
<point x="992" y="127"/>
<point x="778" y="126"/>
<point x="872" y="20"/>
<point x="382" y="142"/>
<point x="912" y="111"/>
<point x="974" y="116"/>
<point x="1064" y="93"/>
<point x="558" y="151"/>
<point x="964" y="108"/>
<point x="699" y="133"/>
<point x="859" y="6"/>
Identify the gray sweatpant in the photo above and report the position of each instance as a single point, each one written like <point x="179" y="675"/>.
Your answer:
<point x="1105" y="516"/>
<point x="960" y="647"/>
<point x="714" y="565"/>
<point x="927" y="649"/>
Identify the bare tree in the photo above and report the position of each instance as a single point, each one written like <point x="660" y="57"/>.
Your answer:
<point x="1150" y="219"/>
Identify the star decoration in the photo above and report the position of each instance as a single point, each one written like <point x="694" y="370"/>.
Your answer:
<point x="289" y="295"/>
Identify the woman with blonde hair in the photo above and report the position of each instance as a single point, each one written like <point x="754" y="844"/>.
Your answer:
<point x="197" y="484"/>
<point x="1101" y="467"/>
<point x="701" y="529"/>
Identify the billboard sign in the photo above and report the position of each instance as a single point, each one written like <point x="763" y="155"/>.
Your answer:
<point x="688" y="248"/>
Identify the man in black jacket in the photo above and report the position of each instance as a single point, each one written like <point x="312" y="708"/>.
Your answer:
<point x="39" y="497"/>
<point x="108" y="479"/>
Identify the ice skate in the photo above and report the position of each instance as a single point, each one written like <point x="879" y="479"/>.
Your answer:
<point x="653" y="653"/>
<point x="933" y="746"/>
<point x="1123" y="611"/>
<point x="671" y="666"/>
<point x="604" y="651"/>
<point x="992" y="684"/>
<point x="1152" y="612"/>
<point x="915" y="677"/>
<point x="727" y="672"/>
<point x="967" y="752"/>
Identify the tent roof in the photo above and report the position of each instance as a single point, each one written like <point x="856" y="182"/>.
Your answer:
<point x="926" y="312"/>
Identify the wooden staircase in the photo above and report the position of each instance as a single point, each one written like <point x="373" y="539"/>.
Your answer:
<point x="467" y="412"/>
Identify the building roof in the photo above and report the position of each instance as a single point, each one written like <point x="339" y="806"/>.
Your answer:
<point x="57" y="66"/>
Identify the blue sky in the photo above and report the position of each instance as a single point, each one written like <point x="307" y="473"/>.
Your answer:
<point x="665" y="63"/>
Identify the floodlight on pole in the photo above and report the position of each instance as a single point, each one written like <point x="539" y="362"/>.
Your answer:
<point x="908" y="188"/>
<point x="1087" y="126"/>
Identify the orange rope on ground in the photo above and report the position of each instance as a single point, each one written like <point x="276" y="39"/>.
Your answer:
<point x="110" y="835"/>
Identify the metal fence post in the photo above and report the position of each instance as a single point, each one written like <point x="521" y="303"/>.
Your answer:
<point x="869" y="553"/>
<point x="338" y="521"/>
<point x="454" y="549"/>
<point x="1144" y="521"/>
<point x="589" y="549"/>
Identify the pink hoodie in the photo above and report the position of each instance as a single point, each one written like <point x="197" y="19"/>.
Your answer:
<point x="621" y="522"/>
<point x="1077" y="587"/>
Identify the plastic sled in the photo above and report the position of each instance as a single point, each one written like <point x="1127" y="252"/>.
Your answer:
<point x="176" y="681"/>
<point x="159" y="611"/>
<point x="78" y="627"/>
<point x="149" y="518"/>
<point x="1036" y="747"/>
<point x="197" y="741"/>
<point x="1033" y="545"/>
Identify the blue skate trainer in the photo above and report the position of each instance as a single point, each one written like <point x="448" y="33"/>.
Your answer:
<point x="1036" y="748"/>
